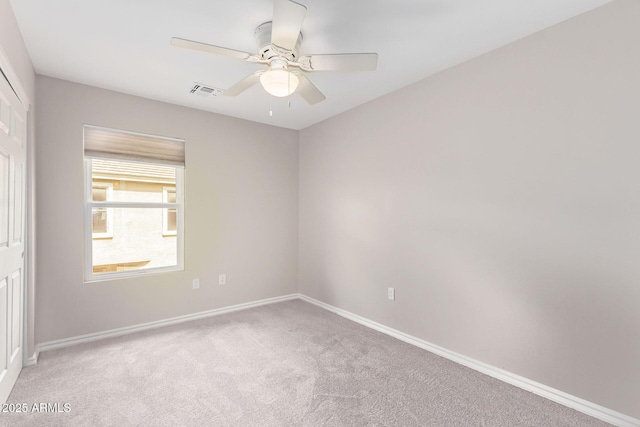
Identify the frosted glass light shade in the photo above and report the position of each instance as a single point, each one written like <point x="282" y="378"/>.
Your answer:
<point x="279" y="82"/>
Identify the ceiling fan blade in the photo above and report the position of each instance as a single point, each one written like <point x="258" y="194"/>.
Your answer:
<point x="287" y="23"/>
<point x="209" y="48"/>
<point x="244" y="84"/>
<point x="340" y="62"/>
<point x="308" y="91"/>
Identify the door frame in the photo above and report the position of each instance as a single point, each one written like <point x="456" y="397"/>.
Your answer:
<point x="30" y="353"/>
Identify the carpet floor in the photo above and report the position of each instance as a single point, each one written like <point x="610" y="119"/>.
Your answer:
<point x="286" y="364"/>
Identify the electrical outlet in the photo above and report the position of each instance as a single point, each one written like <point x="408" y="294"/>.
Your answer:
<point x="222" y="279"/>
<point x="196" y="283"/>
<point x="391" y="293"/>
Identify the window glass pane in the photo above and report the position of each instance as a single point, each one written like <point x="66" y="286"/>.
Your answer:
<point x="137" y="242"/>
<point x="133" y="182"/>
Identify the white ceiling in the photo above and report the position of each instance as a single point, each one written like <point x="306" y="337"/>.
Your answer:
<point x="123" y="45"/>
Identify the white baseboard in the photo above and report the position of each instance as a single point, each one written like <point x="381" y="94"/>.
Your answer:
<point x="589" y="408"/>
<point x="30" y="361"/>
<point x="66" y="342"/>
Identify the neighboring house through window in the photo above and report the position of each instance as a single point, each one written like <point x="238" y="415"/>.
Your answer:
<point x="102" y="218"/>
<point x="169" y="215"/>
<point x="134" y="206"/>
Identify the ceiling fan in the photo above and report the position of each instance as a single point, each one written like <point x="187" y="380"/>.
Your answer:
<point x="278" y="47"/>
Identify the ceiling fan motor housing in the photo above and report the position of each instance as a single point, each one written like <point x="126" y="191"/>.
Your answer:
<point x="267" y="51"/>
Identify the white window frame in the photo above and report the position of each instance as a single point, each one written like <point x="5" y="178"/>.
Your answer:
<point x="165" y="213"/>
<point x="89" y="204"/>
<point x="109" y="232"/>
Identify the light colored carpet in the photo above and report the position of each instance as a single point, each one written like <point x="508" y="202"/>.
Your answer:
<point x="286" y="364"/>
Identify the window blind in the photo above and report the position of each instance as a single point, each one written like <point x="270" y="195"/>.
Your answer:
<point x="116" y="144"/>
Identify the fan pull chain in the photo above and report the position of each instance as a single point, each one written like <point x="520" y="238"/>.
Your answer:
<point x="270" y="109"/>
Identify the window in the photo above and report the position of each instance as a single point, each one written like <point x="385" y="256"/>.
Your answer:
<point x="134" y="210"/>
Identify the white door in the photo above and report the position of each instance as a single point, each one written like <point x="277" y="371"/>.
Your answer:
<point x="12" y="202"/>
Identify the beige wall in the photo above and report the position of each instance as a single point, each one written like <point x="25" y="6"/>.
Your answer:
<point x="501" y="198"/>
<point x="240" y="206"/>
<point x="14" y="48"/>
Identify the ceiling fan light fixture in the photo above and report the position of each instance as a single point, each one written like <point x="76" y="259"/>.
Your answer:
<point x="278" y="81"/>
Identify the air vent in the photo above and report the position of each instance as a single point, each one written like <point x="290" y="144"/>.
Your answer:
<point x="204" y="90"/>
